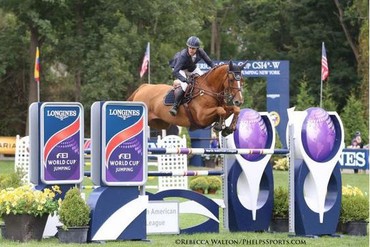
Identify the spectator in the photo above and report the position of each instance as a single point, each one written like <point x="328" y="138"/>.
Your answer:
<point x="359" y="139"/>
<point x="359" y="144"/>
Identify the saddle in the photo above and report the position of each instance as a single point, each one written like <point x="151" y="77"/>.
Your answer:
<point x="169" y="98"/>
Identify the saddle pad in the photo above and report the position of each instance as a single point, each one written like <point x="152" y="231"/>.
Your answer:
<point x="169" y="99"/>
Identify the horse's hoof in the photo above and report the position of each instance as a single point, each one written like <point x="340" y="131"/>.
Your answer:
<point x="225" y="132"/>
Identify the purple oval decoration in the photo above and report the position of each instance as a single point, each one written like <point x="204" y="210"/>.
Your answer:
<point x="251" y="132"/>
<point x="318" y="134"/>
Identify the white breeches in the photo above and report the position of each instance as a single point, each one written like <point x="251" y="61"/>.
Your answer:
<point x="186" y="74"/>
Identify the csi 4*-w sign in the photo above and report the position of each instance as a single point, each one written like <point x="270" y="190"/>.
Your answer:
<point x="354" y="159"/>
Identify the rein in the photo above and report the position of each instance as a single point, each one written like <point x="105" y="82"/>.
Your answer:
<point x="225" y="97"/>
<point x="220" y="97"/>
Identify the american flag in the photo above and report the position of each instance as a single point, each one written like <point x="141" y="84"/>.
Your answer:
<point x="144" y="65"/>
<point x="37" y="66"/>
<point x="324" y="64"/>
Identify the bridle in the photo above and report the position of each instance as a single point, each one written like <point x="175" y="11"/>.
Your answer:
<point x="227" y="95"/>
<point x="228" y="91"/>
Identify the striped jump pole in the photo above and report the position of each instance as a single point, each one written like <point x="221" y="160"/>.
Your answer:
<point x="185" y="173"/>
<point x="215" y="151"/>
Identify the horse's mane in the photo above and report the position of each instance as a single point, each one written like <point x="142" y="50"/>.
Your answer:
<point x="211" y="70"/>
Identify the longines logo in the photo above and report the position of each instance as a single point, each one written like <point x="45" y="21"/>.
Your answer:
<point x="124" y="114"/>
<point x="60" y="114"/>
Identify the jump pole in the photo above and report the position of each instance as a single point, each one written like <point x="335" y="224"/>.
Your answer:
<point x="215" y="151"/>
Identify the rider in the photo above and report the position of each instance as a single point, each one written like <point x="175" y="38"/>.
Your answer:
<point x="184" y="65"/>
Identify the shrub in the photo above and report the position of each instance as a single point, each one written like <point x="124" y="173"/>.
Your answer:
<point x="355" y="205"/>
<point x="214" y="183"/>
<point x="73" y="210"/>
<point x="281" y="203"/>
<point x="199" y="183"/>
<point x="11" y="180"/>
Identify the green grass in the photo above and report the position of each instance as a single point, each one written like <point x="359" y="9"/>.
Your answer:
<point x="360" y="180"/>
<point x="6" y="166"/>
<point x="224" y="238"/>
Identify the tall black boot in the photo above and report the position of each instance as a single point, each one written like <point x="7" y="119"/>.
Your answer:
<point x="179" y="94"/>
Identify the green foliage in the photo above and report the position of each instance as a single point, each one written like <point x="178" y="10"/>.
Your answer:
<point x="281" y="203"/>
<point x="73" y="210"/>
<point x="304" y="98"/>
<point x="214" y="183"/>
<point x="27" y="200"/>
<point x="354" y="208"/>
<point x="199" y="183"/>
<point x="185" y="131"/>
<point x="12" y="180"/>
<point x="328" y="102"/>
<point x="352" y="118"/>
<point x="255" y="88"/>
<point x="100" y="45"/>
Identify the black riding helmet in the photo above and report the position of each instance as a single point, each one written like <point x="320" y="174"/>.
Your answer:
<point x="193" y="42"/>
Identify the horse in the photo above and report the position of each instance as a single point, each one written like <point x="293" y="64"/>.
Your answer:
<point x="211" y="98"/>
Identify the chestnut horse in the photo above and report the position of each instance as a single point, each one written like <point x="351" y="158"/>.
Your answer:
<point x="214" y="96"/>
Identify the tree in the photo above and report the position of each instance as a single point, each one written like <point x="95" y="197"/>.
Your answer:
<point x="13" y="76"/>
<point x="352" y="119"/>
<point x="328" y="101"/>
<point x="92" y="50"/>
<point x="305" y="99"/>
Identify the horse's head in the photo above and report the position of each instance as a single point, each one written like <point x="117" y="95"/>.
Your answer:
<point x="234" y="85"/>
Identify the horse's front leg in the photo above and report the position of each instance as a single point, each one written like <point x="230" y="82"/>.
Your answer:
<point x="208" y="116"/>
<point x="220" y="125"/>
<point x="232" y="126"/>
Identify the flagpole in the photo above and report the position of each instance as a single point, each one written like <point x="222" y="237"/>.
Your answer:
<point x="38" y="91"/>
<point x="149" y="63"/>
<point x="37" y="72"/>
<point x="321" y="95"/>
<point x="321" y="77"/>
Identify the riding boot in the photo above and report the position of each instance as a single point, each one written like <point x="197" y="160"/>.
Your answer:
<point x="178" y="97"/>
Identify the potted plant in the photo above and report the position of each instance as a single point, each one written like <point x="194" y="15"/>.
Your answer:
<point x="74" y="214"/>
<point x="280" y="211"/>
<point x="199" y="184"/>
<point x="25" y="211"/>
<point x="214" y="184"/>
<point x="10" y="180"/>
<point x="354" y="213"/>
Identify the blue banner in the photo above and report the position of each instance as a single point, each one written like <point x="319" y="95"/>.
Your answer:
<point x="354" y="159"/>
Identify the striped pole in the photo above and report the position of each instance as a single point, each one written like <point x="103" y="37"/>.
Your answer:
<point x="177" y="173"/>
<point x="185" y="173"/>
<point x="215" y="151"/>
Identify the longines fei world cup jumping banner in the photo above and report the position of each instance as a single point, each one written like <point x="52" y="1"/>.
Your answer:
<point x="118" y="138"/>
<point x="56" y="142"/>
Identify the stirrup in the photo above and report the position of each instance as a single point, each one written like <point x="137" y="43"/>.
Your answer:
<point x="173" y="111"/>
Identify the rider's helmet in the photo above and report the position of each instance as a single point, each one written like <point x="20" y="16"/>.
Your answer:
<point x="193" y="42"/>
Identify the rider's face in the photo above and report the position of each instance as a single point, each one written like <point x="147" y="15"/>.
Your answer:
<point x="192" y="51"/>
